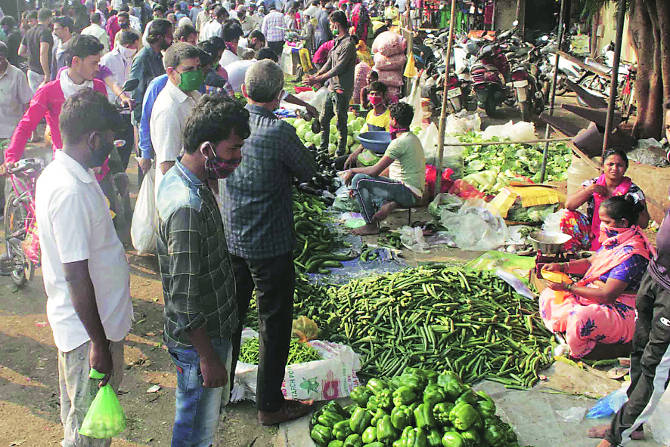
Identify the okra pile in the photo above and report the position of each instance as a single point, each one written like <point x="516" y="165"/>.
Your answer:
<point x="419" y="408"/>
<point x="298" y="352"/>
<point x="438" y="317"/>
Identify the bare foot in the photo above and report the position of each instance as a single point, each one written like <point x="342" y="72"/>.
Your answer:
<point x="604" y="443"/>
<point x="600" y="432"/>
<point x="371" y="228"/>
<point x="385" y="210"/>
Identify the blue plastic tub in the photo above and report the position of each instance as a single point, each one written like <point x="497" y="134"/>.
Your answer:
<point x="377" y="141"/>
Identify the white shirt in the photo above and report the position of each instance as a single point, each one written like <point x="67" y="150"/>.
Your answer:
<point x="227" y="58"/>
<point x="213" y="28"/>
<point x="236" y="72"/>
<point x="135" y="23"/>
<point x="119" y="61"/>
<point x="69" y="87"/>
<point x="96" y="30"/>
<point x="74" y="225"/>
<point x="14" y="94"/>
<point x="168" y="117"/>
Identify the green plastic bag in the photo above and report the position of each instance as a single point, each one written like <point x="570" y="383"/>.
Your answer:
<point x="105" y="418"/>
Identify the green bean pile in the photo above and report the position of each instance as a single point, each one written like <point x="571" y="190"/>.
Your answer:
<point x="298" y="352"/>
<point x="438" y="318"/>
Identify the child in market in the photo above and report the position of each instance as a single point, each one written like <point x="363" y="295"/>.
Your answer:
<point x="373" y="76"/>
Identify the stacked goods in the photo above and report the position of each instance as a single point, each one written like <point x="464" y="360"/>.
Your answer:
<point x="389" y="57"/>
<point x="438" y="317"/>
<point x="419" y="408"/>
<point x="298" y="352"/>
<point x="360" y="80"/>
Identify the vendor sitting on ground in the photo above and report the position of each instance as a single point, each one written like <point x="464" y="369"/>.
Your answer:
<point x="378" y="196"/>
<point x="585" y="229"/>
<point x="597" y="313"/>
<point x="373" y="76"/>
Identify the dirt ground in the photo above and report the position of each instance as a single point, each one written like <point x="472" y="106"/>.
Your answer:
<point x="29" y="399"/>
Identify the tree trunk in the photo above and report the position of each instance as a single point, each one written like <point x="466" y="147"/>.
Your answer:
<point x="649" y="27"/>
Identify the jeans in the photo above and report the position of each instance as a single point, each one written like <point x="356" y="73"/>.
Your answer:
<point x="197" y="409"/>
<point x="274" y="281"/>
<point x="649" y="361"/>
<point x="337" y="104"/>
<point x="373" y="192"/>
<point x="77" y="391"/>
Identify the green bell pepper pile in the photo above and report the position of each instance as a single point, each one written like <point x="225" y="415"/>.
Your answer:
<point x="418" y="408"/>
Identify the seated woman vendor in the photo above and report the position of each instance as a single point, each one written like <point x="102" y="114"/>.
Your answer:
<point x="597" y="313"/>
<point x="378" y="196"/>
<point x="584" y="229"/>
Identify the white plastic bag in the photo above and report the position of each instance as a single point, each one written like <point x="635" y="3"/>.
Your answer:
<point x="412" y="238"/>
<point x="143" y="226"/>
<point x="331" y="377"/>
<point x="462" y="122"/>
<point x="521" y="131"/>
<point x="474" y="227"/>
<point x="552" y="224"/>
<point x="319" y="100"/>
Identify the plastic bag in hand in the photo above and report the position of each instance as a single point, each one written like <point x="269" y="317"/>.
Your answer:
<point x="104" y="418"/>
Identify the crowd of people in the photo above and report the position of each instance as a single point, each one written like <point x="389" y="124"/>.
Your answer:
<point x="159" y="80"/>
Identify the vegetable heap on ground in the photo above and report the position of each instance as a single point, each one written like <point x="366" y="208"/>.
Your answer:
<point x="438" y="317"/>
<point x="304" y="130"/>
<point x="491" y="168"/>
<point x="316" y="242"/>
<point x="298" y="352"/>
<point x="419" y="408"/>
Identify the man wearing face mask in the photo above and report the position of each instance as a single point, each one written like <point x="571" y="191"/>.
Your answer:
<point x="198" y="281"/>
<point x="258" y="219"/>
<point x="174" y="104"/>
<point x="148" y="63"/>
<point x="85" y="272"/>
<point x="84" y="55"/>
<point x="338" y="71"/>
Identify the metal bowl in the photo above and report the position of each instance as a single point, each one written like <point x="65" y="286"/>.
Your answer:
<point x="550" y="243"/>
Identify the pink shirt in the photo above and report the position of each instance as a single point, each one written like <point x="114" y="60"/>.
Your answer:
<point x="46" y="103"/>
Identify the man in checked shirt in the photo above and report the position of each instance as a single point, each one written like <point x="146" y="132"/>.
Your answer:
<point x="198" y="282"/>
<point x="258" y="218"/>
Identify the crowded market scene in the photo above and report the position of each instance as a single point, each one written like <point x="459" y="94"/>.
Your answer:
<point x="335" y="223"/>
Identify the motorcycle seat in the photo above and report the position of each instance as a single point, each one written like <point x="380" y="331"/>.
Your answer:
<point x="597" y="65"/>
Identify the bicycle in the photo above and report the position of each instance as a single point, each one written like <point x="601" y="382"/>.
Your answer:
<point x="22" y="255"/>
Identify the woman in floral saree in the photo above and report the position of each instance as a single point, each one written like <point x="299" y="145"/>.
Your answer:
<point x="599" y="309"/>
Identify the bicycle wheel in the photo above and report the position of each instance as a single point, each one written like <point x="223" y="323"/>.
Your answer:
<point x="14" y="226"/>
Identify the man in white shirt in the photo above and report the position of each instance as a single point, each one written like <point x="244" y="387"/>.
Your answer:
<point x="84" y="267"/>
<point x="214" y="27"/>
<point x="15" y="94"/>
<point x="174" y="104"/>
<point x="120" y="59"/>
<point x="232" y="31"/>
<point x="97" y="31"/>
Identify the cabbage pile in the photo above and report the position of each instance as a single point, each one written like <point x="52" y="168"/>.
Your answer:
<point x="304" y="130"/>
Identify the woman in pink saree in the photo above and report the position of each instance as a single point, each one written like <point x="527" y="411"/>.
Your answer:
<point x="585" y="229"/>
<point x="598" y="311"/>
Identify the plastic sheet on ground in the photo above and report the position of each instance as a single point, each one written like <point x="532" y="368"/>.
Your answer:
<point x="474" y="227"/>
<point x="332" y="377"/>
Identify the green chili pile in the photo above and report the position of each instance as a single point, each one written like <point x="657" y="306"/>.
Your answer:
<point x="298" y="352"/>
<point x="438" y="318"/>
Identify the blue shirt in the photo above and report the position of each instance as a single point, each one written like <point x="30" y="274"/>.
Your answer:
<point x="155" y="87"/>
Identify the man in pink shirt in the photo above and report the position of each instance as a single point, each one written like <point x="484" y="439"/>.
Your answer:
<point x="48" y="100"/>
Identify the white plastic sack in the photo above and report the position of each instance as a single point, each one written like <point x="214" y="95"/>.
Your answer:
<point x="552" y="224"/>
<point x="414" y="99"/>
<point x="331" y="377"/>
<point x="521" y="131"/>
<point x="659" y="420"/>
<point x="319" y="99"/>
<point x="462" y="122"/>
<point x="429" y="140"/>
<point x="143" y="226"/>
<point x="474" y="227"/>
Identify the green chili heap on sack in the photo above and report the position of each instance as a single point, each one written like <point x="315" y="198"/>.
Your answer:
<point x="438" y="318"/>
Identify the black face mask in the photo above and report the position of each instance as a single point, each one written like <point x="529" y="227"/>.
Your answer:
<point x="100" y="154"/>
<point x="124" y="25"/>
